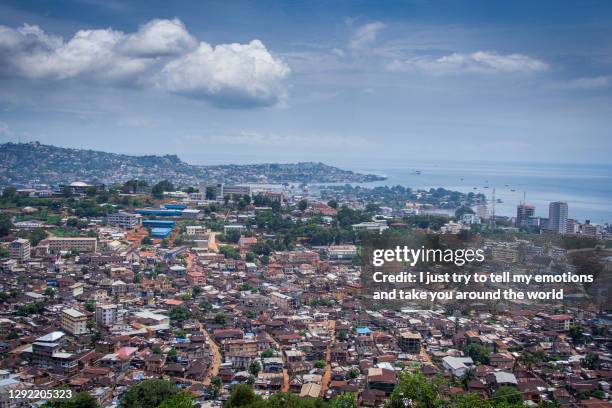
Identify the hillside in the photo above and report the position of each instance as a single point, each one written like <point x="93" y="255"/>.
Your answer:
<point x="35" y="163"/>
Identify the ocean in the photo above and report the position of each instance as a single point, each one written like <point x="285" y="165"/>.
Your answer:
<point x="586" y="188"/>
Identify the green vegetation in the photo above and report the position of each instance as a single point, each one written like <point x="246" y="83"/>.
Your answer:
<point x="31" y="308"/>
<point x="149" y="393"/>
<point x="179" y="313"/>
<point x="80" y="400"/>
<point x="229" y="252"/>
<point x="480" y="354"/>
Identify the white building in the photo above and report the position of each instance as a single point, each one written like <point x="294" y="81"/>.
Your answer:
<point x="124" y="219"/>
<point x="20" y="249"/>
<point x="82" y="244"/>
<point x="342" y="251"/>
<point x="457" y="366"/>
<point x="73" y="321"/>
<point x="194" y="232"/>
<point x="371" y="226"/>
<point x="106" y="315"/>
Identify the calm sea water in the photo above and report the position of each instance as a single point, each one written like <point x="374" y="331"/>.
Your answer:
<point x="586" y="188"/>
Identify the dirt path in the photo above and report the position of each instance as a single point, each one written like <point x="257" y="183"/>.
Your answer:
<point x="213" y="371"/>
<point x="327" y="373"/>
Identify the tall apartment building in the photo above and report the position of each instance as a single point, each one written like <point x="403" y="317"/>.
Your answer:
<point x="47" y="353"/>
<point x="106" y="315"/>
<point x="410" y="342"/>
<point x="82" y="244"/>
<point x="124" y="219"/>
<point x="20" y="249"/>
<point x="73" y="321"/>
<point x="557" y="217"/>
<point x="523" y="213"/>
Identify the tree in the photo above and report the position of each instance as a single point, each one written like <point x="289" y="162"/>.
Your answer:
<point x="146" y="241"/>
<point x="254" y="368"/>
<point x="220" y="319"/>
<point x="210" y="193"/>
<point x="303" y="205"/>
<point x="241" y="396"/>
<point x="332" y="203"/>
<point x="182" y="399"/>
<point x="347" y="400"/>
<point x="9" y="193"/>
<point x="172" y="355"/>
<point x="591" y="361"/>
<point x="80" y="400"/>
<point x="508" y="395"/>
<point x="416" y="388"/>
<point x="149" y="393"/>
<point x="229" y="252"/>
<point x="67" y="191"/>
<point x="461" y="211"/>
<point x="469" y="375"/>
<point x="353" y="373"/>
<point x="320" y="364"/>
<point x="49" y="292"/>
<point x="179" y="314"/>
<point x="6" y="225"/>
<point x="195" y="291"/>
<point x="37" y="235"/>
<point x="158" y="189"/>
<point x="480" y="354"/>
<point x="90" y="306"/>
<point x="267" y="353"/>
<point x="576" y="334"/>
<point x="72" y="222"/>
<point x="205" y="306"/>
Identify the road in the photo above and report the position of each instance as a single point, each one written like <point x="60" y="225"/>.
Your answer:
<point x="213" y="371"/>
<point x="327" y="373"/>
<point x="212" y="242"/>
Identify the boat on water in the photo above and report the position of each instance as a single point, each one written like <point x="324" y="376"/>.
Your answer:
<point x="513" y="190"/>
<point x="417" y="172"/>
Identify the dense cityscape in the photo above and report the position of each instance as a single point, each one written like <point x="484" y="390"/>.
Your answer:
<point x="134" y="294"/>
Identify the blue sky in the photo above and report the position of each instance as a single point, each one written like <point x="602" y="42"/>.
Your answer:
<point x="347" y="83"/>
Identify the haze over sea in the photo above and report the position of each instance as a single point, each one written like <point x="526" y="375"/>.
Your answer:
<point x="587" y="188"/>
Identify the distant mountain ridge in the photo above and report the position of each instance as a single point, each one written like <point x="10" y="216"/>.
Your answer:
<point x="36" y="163"/>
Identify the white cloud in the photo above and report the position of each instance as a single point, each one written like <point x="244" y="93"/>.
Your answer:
<point x="481" y="62"/>
<point x="588" y="83"/>
<point x="161" y="54"/>
<point x="159" y="38"/>
<point x="229" y="73"/>
<point x="365" y="35"/>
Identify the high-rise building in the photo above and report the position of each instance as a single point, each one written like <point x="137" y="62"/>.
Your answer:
<point x="20" y="249"/>
<point x="106" y="315"/>
<point x="523" y="213"/>
<point x="557" y="217"/>
<point x="73" y="321"/>
<point x="482" y="212"/>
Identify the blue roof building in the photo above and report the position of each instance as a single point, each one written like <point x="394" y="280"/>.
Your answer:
<point x="160" y="232"/>
<point x="158" y="224"/>
<point x="160" y="212"/>
<point x="175" y="206"/>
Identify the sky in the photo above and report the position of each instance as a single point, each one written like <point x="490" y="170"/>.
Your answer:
<point x="359" y="83"/>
